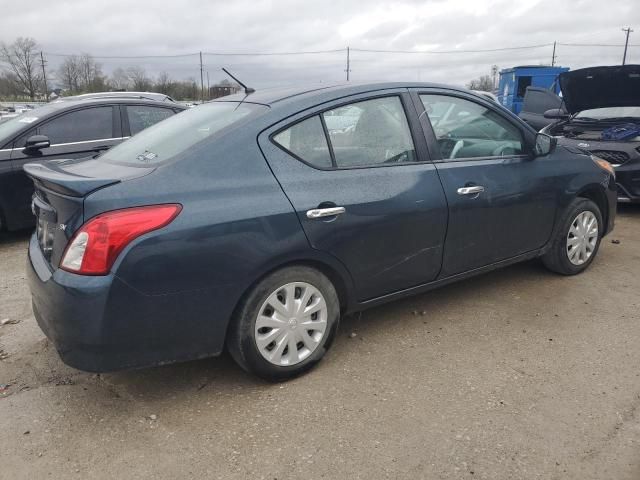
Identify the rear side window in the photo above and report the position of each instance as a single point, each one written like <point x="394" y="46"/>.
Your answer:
<point x="306" y="140"/>
<point x="360" y="134"/>
<point x="80" y="126"/>
<point x="144" y="116"/>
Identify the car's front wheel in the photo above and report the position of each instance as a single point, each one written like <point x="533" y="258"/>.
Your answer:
<point x="577" y="240"/>
<point x="285" y="324"/>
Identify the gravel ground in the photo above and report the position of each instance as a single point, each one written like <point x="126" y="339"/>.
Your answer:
<point x="516" y="374"/>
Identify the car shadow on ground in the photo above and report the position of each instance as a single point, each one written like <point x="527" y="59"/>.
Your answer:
<point x="19" y="236"/>
<point x="222" y="374"/>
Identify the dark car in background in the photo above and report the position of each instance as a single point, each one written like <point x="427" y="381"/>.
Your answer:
<point x="601" y="114"/>
<point x="69" y="129"/>
<point x="255" y="221"/>
<point x="537" y="101"/>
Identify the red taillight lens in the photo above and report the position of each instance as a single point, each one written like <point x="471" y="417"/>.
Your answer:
<point x="97" y="244"/>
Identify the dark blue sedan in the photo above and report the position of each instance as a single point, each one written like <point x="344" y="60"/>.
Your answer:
<point x="254" y="222"/>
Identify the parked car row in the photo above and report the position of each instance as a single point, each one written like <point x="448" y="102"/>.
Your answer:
<point x="69" y="129"/>
<point x="255" y="221"/>
<point x="599" y="111"/>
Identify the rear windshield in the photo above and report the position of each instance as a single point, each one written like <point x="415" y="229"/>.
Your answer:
<point x="164" y="140"/>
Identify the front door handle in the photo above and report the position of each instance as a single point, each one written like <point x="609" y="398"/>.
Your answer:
<point x="325" y="212"/>
<point x="470" y="190"/>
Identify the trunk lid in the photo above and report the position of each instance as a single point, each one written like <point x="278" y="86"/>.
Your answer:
<point x="601" y="87"/>
<point x="61" y="187"/>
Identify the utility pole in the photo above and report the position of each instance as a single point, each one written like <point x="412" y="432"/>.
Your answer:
<point x="494" y="74"/>
<point x="553" y="55"/>
<point x="628" y="30"/>
<point x="208" y="86"/>
<point x="44" y="77"/>
<point x="348" y="64"/>
<point x="201" y="79"/>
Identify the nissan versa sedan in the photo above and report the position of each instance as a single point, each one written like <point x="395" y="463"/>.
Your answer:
<point x="254" y="222"/>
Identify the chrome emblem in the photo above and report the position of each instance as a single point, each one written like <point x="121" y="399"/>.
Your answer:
<point x="584" y="145"/>
<point x="62" y="226"/>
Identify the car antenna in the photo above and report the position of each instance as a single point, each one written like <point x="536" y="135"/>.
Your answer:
<point x="247" y="90"/>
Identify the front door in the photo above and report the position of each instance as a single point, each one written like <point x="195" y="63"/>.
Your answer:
<point x="358" y="174"/>
<point x="502" y="202"/>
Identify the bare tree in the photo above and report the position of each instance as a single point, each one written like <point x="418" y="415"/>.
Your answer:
<point x="483" y="83"/>
<point x="164" y="84"/>
<point x="69" y="74"/>
<point x="90" y="73"/>
<point x="20" y="56"/>
<point x="139" y="80"/>
<point x="120" y="79"/>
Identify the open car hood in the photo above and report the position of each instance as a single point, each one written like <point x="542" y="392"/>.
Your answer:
<point x="601" y="87"/>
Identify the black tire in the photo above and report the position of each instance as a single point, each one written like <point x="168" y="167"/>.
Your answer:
<point x="556" y="258"/>
<point x="241" y="341"/>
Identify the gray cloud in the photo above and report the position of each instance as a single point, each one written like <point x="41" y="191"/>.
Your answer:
<point x="121" y="28"/>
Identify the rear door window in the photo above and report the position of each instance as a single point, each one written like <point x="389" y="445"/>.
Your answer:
<point x="144" y="116"/>
<point x="360" y="134"/>
<point x="371" y="132"/>
<point x="80" y="126"/>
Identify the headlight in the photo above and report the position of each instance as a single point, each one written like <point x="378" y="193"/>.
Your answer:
<point x="603" y="164"/>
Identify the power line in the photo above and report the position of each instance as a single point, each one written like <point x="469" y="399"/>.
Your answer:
<point x="453" y="51"/>
<point x="618" y="45"/>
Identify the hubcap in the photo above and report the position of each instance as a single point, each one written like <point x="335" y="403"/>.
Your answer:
<point x="291" y="323"/>
<point x="582" y="238"/>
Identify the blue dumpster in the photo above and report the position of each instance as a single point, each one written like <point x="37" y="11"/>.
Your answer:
<point x="514" y="82"/>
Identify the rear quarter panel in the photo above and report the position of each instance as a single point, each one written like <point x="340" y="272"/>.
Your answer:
<point x="236" y="225"/>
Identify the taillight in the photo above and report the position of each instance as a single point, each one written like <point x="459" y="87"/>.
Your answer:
<point x="95" y="247"/>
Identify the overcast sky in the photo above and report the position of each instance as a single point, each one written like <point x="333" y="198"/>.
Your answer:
<point x="161" y="27"/>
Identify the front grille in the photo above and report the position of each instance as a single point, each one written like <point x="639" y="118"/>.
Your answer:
<point x="612" y="156"/>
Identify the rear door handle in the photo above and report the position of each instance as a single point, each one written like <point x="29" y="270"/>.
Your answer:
<point x="325" y="212"/>
<point x="470" y="190"/>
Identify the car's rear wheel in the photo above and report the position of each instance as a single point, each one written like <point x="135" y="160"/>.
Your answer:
<point x="285" y="324"/>
<point x="577" y="240"/>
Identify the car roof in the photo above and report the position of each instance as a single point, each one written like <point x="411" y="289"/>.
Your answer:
<point x="310" y="93"/>
<point x="161" y="97"/>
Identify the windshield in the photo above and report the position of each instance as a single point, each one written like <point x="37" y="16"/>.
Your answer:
<point x="170" y="137"/>
<point x="610" y="112"/>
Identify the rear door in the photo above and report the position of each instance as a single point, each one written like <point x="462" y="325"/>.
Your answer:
<point x="502" y="202"/>
<point x="358" y="173"/>
<point x="82" y="132"/>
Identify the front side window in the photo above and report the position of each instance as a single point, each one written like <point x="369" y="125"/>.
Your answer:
<point x="80" y="126"/>
<point x="144" y="116"/>
<point x="465" y="129"/>
<point x="360" y="134"/>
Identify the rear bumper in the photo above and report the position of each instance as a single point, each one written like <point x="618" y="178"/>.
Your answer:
<point x="100" y="324"/>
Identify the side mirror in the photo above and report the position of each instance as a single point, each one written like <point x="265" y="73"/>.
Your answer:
<point x="556" y="114"/>
<point x="37" y="142"/>
<point x="545" y="144"/>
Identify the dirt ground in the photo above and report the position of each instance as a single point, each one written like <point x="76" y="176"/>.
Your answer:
<point x="518" y="374"/>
